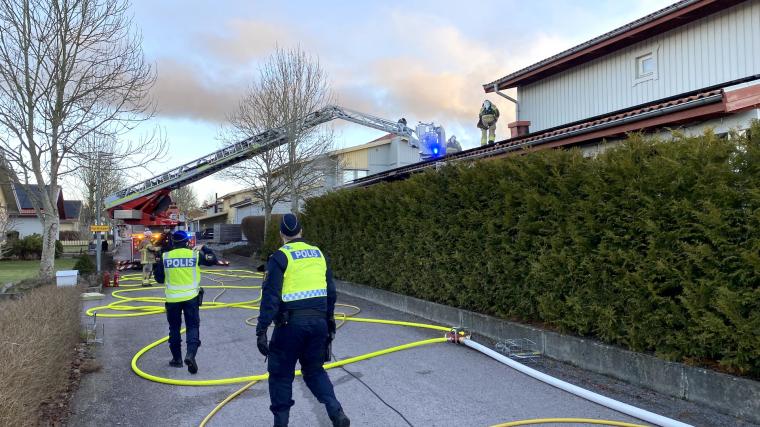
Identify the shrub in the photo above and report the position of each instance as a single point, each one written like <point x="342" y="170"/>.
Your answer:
<point x="652" y="246"/>
<point x="272" y="241"/>
<point x="30" y="247"/>
<point x="84" y="264"/>
<point x="253" y="230"/>
<point x="39" y="333"/>
<point x="58" y="249"/>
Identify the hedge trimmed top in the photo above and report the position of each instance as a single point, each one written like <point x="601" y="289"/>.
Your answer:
<point x="651" y="245"/>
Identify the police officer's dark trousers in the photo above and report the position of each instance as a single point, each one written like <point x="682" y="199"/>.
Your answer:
<point x="302" y="339"/>
<point x="174" y="312"/>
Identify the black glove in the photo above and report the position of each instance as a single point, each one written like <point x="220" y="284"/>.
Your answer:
<point x="262" y="342"/>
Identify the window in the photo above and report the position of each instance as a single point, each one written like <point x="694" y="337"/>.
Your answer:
<point x="352" y="174"/>
<point x="645" y="65"/>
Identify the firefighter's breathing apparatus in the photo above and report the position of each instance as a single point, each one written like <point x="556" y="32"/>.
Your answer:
<point x="126" y="306"/>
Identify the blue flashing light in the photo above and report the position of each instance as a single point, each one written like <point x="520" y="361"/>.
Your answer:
<point x="431" y="146"/>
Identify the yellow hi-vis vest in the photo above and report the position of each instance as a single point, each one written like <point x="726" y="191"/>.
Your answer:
<point x="182" y="274"/>
<point x="305" y="275"/>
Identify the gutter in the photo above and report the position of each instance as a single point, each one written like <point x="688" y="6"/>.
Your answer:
<point x="649" y="114"/>
<point x="496" y="150"/>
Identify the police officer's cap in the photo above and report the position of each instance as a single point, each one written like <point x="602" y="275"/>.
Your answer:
<point x="290" y="225"/>
<point x="180" y="236"/>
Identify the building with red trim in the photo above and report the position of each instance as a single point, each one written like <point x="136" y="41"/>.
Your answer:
<point x="690" y="66"/>
<point x="17" y="202"/>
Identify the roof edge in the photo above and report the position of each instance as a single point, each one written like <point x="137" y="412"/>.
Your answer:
<point x="668" y="18"/>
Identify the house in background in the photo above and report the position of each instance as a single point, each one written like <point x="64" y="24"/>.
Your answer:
<point x="17" y="199"/>
<point x="338" y="167"/>
<point x="210" y="214"/>
<point x="387" y="152"/>
<point x="73" y="216"/>
<point x="689" y="66"/>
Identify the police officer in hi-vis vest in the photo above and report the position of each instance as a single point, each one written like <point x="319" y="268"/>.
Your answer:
<point x="179" y="270"/>
<point x="298" y="295"/>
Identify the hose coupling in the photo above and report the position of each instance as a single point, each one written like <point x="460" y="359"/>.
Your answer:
<point x="458" y="334"/>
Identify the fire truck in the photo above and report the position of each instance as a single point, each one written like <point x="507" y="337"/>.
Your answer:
<point x="158" y="237"/>
<point x="147" y="203"/>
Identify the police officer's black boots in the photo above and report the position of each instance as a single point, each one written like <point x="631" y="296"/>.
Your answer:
<point x="175" y="363"/>
<point x="192" y="367"/>
<point x="340" y="420"/>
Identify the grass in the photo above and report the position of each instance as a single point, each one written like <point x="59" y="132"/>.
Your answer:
<point x="38" y="333"/>
<point x="14" y="271"/>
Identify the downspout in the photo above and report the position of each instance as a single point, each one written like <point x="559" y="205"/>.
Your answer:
<point x="504" y="95"/>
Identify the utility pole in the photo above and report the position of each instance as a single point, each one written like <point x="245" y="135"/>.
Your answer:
<point x="97" y="215"/>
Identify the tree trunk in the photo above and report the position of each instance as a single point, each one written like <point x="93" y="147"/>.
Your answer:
<point x="267" y="221"/>
<point x="50" y="224"/>
<point x="293" y="199"/>
<point x="291" y="173"/>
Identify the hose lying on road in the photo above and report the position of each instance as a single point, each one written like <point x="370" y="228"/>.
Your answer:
<point x="567" y="421"/>
<point x="126" y="306"/>
<point x="578" y="391"/>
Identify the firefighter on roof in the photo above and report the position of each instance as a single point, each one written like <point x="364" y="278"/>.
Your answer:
<point x="487" y="119"/>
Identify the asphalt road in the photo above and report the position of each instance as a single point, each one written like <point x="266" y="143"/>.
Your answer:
<point x="436" y="385"/>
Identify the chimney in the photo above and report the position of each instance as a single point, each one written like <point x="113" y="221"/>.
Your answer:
<point x="518" y="128"/>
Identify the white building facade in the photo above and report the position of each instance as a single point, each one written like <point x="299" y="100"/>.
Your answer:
<point x="689" y="66"/>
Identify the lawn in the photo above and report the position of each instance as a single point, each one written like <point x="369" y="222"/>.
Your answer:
<point x="13" y="271"/>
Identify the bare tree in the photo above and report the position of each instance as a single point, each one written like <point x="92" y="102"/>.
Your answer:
<point x="186" y="199"/>
<point x="105" y="164"/>
<point x="253" y="116"/>
<point x="100" y="174"/>
<point x="70" y="71"/>
<point x="209" y="198"/>
<point x="294" y="85"/>
<point x="289" y="86"/>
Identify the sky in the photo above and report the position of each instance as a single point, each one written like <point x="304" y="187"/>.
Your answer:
<point x="423" y="60"/>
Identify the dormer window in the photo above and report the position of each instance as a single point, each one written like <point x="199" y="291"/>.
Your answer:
<point x="645" y="63"/>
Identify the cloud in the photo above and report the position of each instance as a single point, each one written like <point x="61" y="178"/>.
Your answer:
<point x="209" y="84"/>
<point x="244" y="40"/>
<point x="444" y="81"/>
<point x="435" y="77"/>
<point x="184" y="90"/>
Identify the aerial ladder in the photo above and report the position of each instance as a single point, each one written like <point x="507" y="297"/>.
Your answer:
<point x="148" y="202"/>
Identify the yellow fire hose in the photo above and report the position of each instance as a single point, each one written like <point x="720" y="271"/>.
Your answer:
<point x="124" y="307"/>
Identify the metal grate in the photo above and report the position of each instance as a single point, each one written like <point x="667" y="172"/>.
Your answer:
<point x="520" y="349"/>
<point x="92" y="331"/>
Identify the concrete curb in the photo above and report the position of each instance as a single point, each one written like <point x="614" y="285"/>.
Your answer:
<point x="735" y="396"/>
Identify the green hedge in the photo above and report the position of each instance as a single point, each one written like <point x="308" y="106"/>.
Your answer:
<point x="652" y="245"/>
<point x="265" y="243"/>
<point x="272" y="240"/>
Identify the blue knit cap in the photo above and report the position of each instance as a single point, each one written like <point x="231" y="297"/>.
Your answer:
<point x="290" y="225"/>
